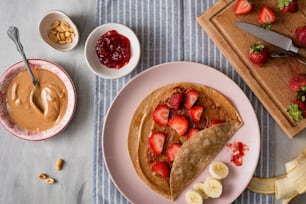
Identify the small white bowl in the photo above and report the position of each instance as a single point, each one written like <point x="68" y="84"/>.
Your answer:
<point x="92" y="57"/>
<point x="5" y="119"/>
<point x="44" y="30"/>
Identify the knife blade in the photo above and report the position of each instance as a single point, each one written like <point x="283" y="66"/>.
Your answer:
<point x="269" y="36"/>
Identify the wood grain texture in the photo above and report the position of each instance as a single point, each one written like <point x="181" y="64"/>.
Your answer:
<point x="269" y="83"/>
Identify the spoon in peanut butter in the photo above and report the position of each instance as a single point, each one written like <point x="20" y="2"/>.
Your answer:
<point x="13" y="33"/>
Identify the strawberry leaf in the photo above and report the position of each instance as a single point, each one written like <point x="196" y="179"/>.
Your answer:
<point x="256" y="47"/>
<point x="295" y="113"/>
<point x="301" y="95"/>
<point x="283" y="3"/>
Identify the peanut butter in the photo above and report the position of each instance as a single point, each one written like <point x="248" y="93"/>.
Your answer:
<point x="37" y="107"/>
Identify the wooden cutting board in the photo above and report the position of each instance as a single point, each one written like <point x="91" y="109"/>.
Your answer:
<point x="269" y="83"/>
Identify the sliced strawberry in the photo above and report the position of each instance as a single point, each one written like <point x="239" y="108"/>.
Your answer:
<point x="192" y="132"/>
<point x="191" y="97"/>
<point x="161" y="114"/>
<point x="266" y="16"/>
<point x="196" y="113"/>
<point x="243" y="7"/>
<point x="172" y="151"/>
<point x="258" y="54"/>
<point x="296" y="82"/>
<point x="175" y="100"/>
<point x="156" y="142"/>
<point x="161" y="169"/>
<point x="288" y="5"/>
<point x="215" y="122"/>
<point x="179" y="124"/>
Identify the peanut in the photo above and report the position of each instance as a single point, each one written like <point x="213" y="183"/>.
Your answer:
<point x="42" y="176"/>
<point x="50" y="181"/>
<point x="61" y="32"/>
<point x="59" y="164"/>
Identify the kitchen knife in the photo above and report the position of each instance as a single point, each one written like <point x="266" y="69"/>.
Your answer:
<point x="273" y="38"/>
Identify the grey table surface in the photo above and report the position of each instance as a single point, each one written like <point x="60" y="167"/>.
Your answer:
<point x="21" y="161"/>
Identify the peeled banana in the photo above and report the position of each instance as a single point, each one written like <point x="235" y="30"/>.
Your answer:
<point x="287" y="186"/>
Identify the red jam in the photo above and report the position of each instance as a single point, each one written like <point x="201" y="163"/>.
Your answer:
<point x="238" y="151"/>
<point x="113" y="49"/>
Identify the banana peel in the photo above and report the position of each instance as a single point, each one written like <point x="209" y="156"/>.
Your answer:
<point x="287" y="186"/>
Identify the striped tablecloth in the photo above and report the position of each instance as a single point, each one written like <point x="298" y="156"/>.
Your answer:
<point x="168" y="31"/>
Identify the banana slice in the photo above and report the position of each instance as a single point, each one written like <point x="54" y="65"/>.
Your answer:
<point x="193" y="197"/>
<point x="218" y="170"/>
<point x="199" y="187"/>
<point x="213" y="188"/>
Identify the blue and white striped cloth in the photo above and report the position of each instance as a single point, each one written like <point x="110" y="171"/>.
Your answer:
<point x="168" y="31"/>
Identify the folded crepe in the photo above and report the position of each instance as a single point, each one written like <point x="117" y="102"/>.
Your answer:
<point x="195" y="153"/>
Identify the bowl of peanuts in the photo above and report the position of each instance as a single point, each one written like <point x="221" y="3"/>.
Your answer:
<point x="58" y="30"/>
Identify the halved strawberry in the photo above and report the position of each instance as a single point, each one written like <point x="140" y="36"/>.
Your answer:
<point x="192" y="132"/>
<point x="161" y="169"/>
<point x="258" y="54"/>
<point x="266" y="16"/>
<point x="288" y="5"/>
<point x="156" y="142"/>
<point x="175" y="100"/>
<point x="196" y="113"/>
<point x="172" y="151"/>
<point x="215" y="122"/>
<point x="191" y="97"/>
<point x="179" y="124"/>
<point x="161" y="114"/>
<point x="243" y="7"/>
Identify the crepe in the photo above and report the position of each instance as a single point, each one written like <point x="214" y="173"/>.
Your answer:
<point x="195" y="153"/>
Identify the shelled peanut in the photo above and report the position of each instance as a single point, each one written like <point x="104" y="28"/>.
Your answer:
<point x="61" y="32"/>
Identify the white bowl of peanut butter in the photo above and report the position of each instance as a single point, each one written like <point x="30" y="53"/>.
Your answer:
<point x="42" y="117"/>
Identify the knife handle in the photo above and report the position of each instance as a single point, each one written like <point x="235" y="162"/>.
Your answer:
<point x="300" y="56"/>
<point x="284" y="53"/>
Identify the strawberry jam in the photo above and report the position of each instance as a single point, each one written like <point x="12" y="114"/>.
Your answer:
<point x="238" y="149"/>
<point x="113" y="49"/>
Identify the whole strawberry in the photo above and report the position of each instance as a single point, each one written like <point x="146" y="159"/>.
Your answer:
<point x="288" y="5"/>
<point x="258" y="54"/>
<point x="300" y="34"/>
<point x="297" y="82"/>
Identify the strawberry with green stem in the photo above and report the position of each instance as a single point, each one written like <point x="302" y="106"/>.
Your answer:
<point x="288" y="5"/>
<point x="297" y="109"/>
<point x="258" y="54"/>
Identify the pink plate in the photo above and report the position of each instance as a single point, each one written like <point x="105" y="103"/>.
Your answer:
<point x="116" y="127"/>
<point x="5" y="119"/>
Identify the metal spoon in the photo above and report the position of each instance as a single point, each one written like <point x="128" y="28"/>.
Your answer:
<point x="13" y="33"/>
